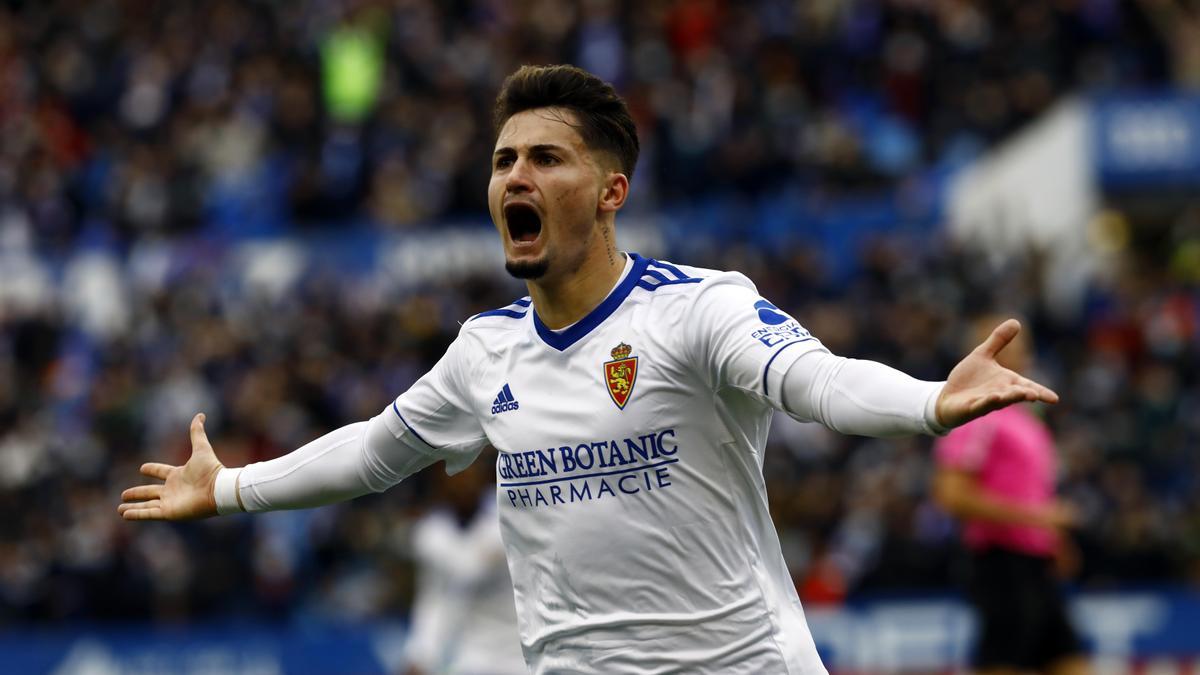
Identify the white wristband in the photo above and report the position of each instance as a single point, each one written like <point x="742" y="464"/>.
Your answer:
<point x="931" y="419"/>
<point x="225" y="492"/>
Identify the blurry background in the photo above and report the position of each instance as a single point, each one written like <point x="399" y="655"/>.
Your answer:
<point x="274" y="212"/>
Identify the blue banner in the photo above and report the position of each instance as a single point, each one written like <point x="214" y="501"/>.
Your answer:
<point x="229" y="649"/>
<point x="934" y="634"/>
<point x="1147" y="140"/>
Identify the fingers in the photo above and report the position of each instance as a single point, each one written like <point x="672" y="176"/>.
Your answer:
<point x="1002" y="388"/>
<point x="151" y="510"/>
<point x="156" y="470"/>
<point x="1035" y="391"/>
<point x="1014" y="393"/>
<point x="142" y="493"/>
<point x="134" y="506"/>
<point x="143" y="502"/>
<point x="1000" y="337"/>
<point x="1045" y="394"/>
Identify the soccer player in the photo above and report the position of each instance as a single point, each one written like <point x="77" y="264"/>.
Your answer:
<point x="463" y="619"/>
<point x="629" y="399"/>
<point x="997" y="474"/>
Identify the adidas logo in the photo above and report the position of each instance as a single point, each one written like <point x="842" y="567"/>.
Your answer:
<point x="504" y="401"/>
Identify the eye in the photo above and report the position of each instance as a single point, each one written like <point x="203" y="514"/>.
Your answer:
<point x="503" y="162"/>
<point x="547" y="160"/>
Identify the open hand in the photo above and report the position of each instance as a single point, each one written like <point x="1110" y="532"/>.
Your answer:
<point x="188" y="490"/>
<point x="978" y="384"/>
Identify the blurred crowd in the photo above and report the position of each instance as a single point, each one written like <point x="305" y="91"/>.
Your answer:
<point x="79" y="413"/>
<point x="125" y="119"/>
<point x="125" y="125"/>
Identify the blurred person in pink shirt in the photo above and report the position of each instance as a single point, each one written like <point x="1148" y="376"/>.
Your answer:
<point x="997" y="474"/>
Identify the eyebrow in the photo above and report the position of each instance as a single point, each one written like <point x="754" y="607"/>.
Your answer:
<point x="541" y="147"/>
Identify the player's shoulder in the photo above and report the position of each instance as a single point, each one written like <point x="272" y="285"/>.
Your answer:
<point x="507" y="316"/>
<point x="684" y="283"/>
<point x="493" y="325"/>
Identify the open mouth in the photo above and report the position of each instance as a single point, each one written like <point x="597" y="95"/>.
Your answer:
<point x="524" y="223"/>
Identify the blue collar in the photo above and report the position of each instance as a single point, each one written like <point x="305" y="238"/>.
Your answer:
<point x="581" y="328"/>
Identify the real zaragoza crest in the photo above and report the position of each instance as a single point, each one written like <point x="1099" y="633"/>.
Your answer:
<point x="620" y="373"/>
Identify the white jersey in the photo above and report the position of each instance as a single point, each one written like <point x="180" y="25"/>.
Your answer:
<point x="629" y="481"/>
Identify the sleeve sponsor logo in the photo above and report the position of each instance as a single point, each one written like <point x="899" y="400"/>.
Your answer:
<point x="770" y="314"/>
<point x="779" y="327"/>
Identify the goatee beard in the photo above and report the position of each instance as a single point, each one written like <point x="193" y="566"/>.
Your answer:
<point x="534" y="269"/>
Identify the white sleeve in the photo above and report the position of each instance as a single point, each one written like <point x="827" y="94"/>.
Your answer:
<point x="860" y="397"/>
<point x="345" y="463"/>
<point x="431" y="421"/>
<point x="744" y="341"/>
<point x="740" y="340"/>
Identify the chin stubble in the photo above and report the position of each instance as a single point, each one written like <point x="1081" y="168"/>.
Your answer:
<point x="534" y="269"/>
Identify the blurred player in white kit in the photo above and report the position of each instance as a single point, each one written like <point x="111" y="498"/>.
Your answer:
<point x="463" y="618"/>
<point x="629" y="400"/>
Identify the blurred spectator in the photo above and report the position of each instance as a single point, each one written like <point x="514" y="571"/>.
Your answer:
<point x="998" y="475"/>
<point x="464" y="620"/>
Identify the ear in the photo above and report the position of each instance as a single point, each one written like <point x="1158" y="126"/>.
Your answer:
<point x="613" y="192"/>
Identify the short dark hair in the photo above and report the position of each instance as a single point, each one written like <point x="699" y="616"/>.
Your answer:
<point x="604" y="120"/>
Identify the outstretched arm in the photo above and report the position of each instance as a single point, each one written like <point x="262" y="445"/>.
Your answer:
<point x="870" y="399"/>
<point x="348" y="462"/>
<point x="345" y="463"/>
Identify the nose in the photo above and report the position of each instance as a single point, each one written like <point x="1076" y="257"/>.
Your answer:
<point x="518" y="180"/>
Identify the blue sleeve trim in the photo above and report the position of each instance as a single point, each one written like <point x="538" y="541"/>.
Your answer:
<point x="670" y="268"/>
<point x="655" y="274"/>
<point x="767" y="368"/>
<point x="409" y="426"/>
<point x="500" y="312"/>
<point x="653" y="287"/>
<point x="506" y="311"/>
